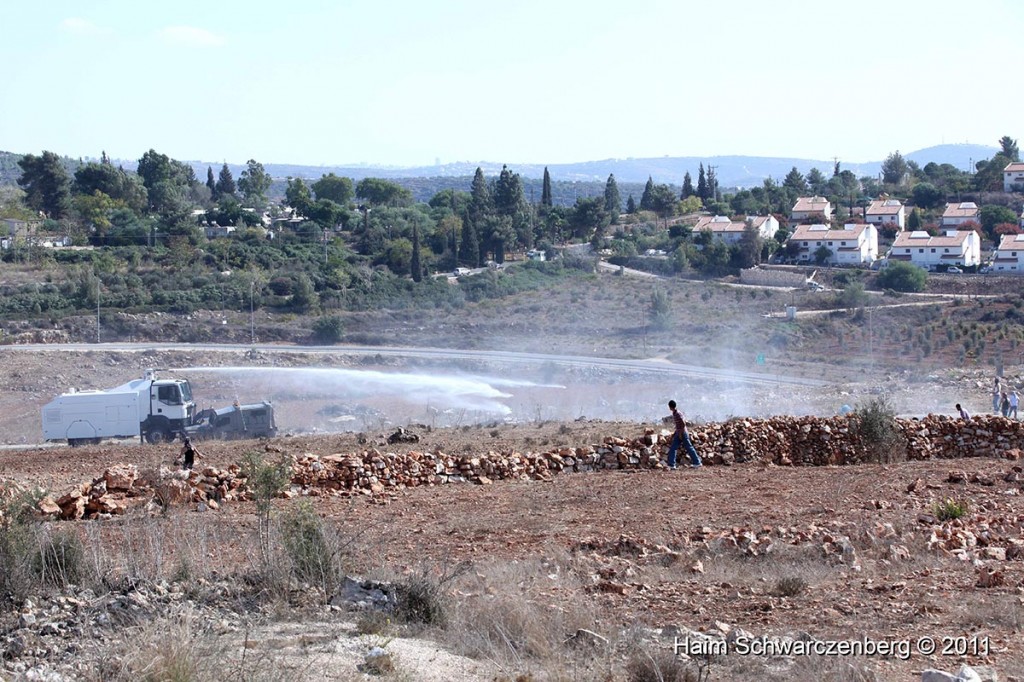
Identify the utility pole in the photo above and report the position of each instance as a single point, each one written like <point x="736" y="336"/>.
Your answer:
<point x="97" y="310"/>
<point x="325" y="246"/>
<point x="252" y="314"/>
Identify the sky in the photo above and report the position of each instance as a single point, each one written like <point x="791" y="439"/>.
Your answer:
<point x="410" y="83"/>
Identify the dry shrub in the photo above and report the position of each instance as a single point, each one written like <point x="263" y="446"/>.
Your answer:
<point x="140" y="548"/>
<point x="660" y="666"/>
<point x="181" y="647"/>
<point x="789" y="586"/>
<point x="509" y="617"/>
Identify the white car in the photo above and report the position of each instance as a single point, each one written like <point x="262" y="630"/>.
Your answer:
<point x="954" y="270"/>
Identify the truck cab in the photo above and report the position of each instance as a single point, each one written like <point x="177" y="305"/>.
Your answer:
<point x="171" y="409"/>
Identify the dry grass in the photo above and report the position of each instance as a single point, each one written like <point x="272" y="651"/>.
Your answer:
<point x="511" y="613"/>
<point x="182" y="648"/>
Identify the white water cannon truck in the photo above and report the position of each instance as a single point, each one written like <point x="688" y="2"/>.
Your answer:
<point x="157" y="410"/>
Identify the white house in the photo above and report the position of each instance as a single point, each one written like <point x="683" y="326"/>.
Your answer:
<point x="1009" y="256"/>
<point x="731" y="231"/>
<point x="958" y="214"/>
<point x="805" y="207"/>
<point x="851" y="245"/>
<point x="1013" y="174"/>
<point x="885" y="211"/>
<point x="955" y="247"/>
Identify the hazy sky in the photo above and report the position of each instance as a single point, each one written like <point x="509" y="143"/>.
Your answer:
<point x="529" y="81"/>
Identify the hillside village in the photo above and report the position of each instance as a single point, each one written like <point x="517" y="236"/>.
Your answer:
<point x="120" y="245"/>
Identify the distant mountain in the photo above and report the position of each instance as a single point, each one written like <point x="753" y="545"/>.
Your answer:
<point x="732" y="171"/>
<point x="963" y="156"/>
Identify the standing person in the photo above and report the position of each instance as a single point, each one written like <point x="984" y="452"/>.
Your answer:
<point x="681" y="436"/>
<point x="1004" y="405"/>
<point x="1014" y="403"/>
<point x="963" y="413"/>
<point x="189" y="454"/>
<point x="995" y="396"/>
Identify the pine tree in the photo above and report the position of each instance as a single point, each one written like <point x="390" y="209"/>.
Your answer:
<point x="612" y="200"/>
<point x="545" y="194"/>
<point x="630" y="205"/>
<point x="414" y="263"/>
<point x="702" y="184"/>
<point x="508" y="193"/>
<point x="46" y="184"/>
<point x="647" y="198"/>
<point x="687" y="186"/>
<point x="104" y="159"/>
<point x="211" y="183"/>
<point x="225" y="182"/>
<point x="480" y="203"/>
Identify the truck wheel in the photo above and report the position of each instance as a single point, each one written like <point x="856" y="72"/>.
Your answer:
<point x="74" y="442"/>
<point x="158" y="435"/>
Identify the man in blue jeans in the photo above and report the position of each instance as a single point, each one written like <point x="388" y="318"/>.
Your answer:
<point x="681" y="436"/>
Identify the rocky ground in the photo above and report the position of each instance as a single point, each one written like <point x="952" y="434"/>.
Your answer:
<point x="575" y="577"/>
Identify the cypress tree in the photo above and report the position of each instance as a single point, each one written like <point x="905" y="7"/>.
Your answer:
<point x="545" y="194"/>
<point x="702" y="184"/>
<point x="630" y="205"/>
<point x="469" y="248"/>
<point x="211" y="183"/>
<point x="612" y="200"/>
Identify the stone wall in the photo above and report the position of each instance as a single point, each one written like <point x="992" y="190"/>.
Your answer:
<point x="784" y="441"/>
<point x="772" y="278"/>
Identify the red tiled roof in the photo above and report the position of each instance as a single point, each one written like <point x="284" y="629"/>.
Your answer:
<point x="811" y="205"/>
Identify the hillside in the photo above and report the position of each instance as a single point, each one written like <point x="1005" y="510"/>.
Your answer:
<point x="732" y="171"/>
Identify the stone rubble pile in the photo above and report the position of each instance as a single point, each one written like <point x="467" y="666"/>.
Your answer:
<point x="121" y="487"/>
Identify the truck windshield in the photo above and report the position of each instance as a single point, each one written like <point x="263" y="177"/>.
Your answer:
<point x="169" y="395"/>
<point x="186" y="392"/>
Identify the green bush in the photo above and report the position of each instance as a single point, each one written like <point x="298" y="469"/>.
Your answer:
<point x="949" y="509"/>
<point x="328" y="329"/>
<point x="900" y="276"/>
<point x="876" y="426"/>
<point x="311" y="555"/>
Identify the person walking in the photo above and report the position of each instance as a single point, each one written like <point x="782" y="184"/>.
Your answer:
<point x="189" y="454"/>
<point x="1004" y="405"/>
<point x="963" y="413"/>
<point x="1014" y="403"/>
<point x="681" y="437"/>
<point x="995" y="396"/>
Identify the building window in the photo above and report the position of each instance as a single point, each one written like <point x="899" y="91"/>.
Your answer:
<point x="933" y="250"/>
<point x="920" y="250"/>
